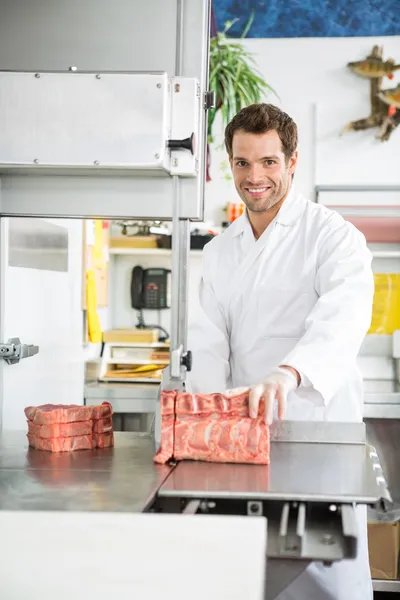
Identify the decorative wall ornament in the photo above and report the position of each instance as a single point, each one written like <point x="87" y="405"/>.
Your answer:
<point x="385" y="103"/>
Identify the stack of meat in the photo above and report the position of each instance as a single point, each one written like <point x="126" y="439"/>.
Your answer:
<point x="62" y="428"/>
<point x="212" y="427"/>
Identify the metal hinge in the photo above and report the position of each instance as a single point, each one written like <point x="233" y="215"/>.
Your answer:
<point x="13" y="351"/>
<point x="209" y="100"/>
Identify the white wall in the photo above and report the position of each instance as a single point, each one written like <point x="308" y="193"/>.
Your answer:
<point x="310" y="75"/>
<point x="121" y="267"/>
<point x="44" y="308"/>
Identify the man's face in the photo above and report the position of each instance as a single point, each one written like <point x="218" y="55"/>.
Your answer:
<point x="261" y="173"/>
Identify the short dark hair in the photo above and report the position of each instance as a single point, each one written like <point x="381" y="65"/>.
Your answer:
<point x="260" y="118"/>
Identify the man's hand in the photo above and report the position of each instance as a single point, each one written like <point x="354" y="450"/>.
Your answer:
<point x="276" y="387"/>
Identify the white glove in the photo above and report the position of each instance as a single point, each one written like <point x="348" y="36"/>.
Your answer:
<point x="277" y="386"/>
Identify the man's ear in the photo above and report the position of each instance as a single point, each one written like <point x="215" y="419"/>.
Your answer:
<point x="293" y="162"/>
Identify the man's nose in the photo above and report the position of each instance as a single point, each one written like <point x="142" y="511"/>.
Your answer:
<point x="256" y="173"/>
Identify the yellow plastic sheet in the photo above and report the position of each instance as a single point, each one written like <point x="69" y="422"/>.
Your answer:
<point x="386" y="309"/>
<point x="94" y="327"/>
<point x="98" y="249"/>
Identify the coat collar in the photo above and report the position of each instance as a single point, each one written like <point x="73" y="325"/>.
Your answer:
<point x="289" y="213"/>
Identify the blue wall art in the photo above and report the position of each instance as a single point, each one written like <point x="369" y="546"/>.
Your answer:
<point x="310" y="18"/>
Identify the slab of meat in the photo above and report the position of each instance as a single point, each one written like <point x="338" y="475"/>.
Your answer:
<point x="103" y="440"/>
<point x="66" y="413"/>
<point x="65" y="428"/>
<point x="212" y="427"/>
<point x="60" y="429"/>
<point x="68" y="444"/>
<point x="103" y="425"/>
<point x="62" y="444"/>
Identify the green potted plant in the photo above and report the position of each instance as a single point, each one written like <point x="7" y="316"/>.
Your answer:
<point x="233" y="78"/>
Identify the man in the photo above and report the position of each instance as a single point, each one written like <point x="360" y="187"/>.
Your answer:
<point x="285" y="302"/>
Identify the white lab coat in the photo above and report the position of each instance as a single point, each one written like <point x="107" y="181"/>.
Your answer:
<point x="300" y="295"/>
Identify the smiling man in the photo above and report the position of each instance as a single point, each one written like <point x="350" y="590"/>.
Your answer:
<point x="285" y="302"/>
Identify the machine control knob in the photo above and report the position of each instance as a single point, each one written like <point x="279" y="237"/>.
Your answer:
<point x="186" y="360"/>
<point x="186" y="144"/>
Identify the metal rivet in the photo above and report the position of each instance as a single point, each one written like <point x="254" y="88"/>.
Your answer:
<point x="98" y="76"/>
<point x="72" y="69"/>
<point x="96" y="162"/>
<point x="159" y="85"/>
<point x="177" y="87"/>
<point x="175" y="162"/>
<point x="36" y="160"/>
<point x="37" y="75"/>
<point x="157" y="156"/>
<point x="333" y="508"/>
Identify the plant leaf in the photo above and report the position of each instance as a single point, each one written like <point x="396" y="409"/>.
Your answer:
<point x="233" y="76"/>
<point x="249" y="24"/>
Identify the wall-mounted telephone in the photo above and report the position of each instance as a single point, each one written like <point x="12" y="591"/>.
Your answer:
<point x="149" y="288"/>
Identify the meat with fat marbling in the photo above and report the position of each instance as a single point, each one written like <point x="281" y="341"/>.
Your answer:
<point x="212" y="427"/>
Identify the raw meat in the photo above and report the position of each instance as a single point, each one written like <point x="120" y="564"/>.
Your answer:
<point x="103" y="440"/>
<point x="166" y="450"/>
<point x="68" y="444"/>
<point x="103" y="425"/>
<point x="60" y="429"/>
<point x="62" y="444"/>
<point x="66" y="413"/>
<point x="212" y="427"/>
<point x="65" y="428"/>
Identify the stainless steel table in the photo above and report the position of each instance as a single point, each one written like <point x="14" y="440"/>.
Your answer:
<point x="307" y="494"/>
<point x="318" y="473"/>
<point x="121" y="479"/>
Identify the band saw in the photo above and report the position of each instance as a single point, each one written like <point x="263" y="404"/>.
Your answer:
<point x="305" y="501"/>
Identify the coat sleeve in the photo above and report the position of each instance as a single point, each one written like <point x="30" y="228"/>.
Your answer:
<point x="335" y="328"/>
<point x="208" y="337"/>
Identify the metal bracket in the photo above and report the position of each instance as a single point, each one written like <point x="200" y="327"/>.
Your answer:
<point x="292" y="528"/>
<point x="209" y="100"/>
<point x="13" y="351"/>
<point x="176" y="361"/>
<point x="386" y="500"/>
<point x="179" y="359"/>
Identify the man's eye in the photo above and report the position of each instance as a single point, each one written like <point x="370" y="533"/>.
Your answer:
<point x="241" y="163"/>
<point x="270" y="161"/>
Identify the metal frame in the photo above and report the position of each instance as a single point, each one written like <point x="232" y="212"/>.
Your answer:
<point x="188" y="63"/>
<point x="58" y="197"/>
<point x="300" y="530"/>
<point x="355" y="188"/>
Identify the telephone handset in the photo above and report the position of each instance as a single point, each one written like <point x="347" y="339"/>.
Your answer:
<point x="149" y="288"/>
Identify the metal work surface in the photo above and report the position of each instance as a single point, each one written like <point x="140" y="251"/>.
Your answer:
<point x="300" y="469"/>
<point x="382" y="400"/>
<point x="305" y="472"/>
<point x="120" y="479"/>
<point x="386" y="585"/>
<point x="124" y="556"/>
